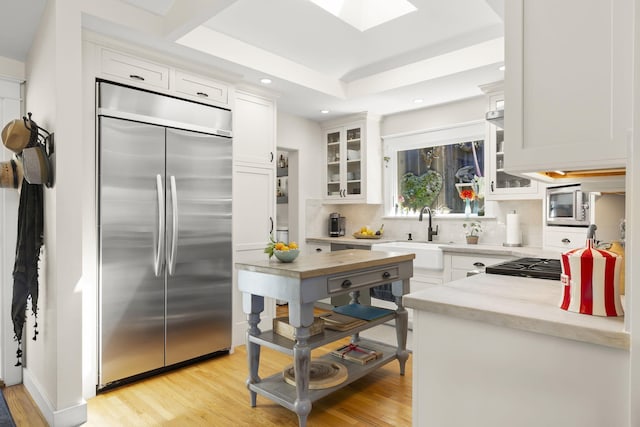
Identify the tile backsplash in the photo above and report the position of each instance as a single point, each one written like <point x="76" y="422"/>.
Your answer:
<point x="449" y="228"/>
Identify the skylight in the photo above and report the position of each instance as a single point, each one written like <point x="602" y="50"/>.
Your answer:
<point x="365" y="14"/>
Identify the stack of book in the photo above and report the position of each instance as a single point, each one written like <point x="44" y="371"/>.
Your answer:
<point x="282" y="327"/>
<point x="340" y="322"/>
<point x="357" y="353"/>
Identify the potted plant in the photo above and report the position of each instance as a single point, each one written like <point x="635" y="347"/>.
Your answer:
<point x="472" y="231"/>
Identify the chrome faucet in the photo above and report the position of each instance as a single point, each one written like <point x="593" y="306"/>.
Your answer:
<point x="430" y="231"/>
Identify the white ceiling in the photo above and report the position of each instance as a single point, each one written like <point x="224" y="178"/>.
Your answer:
<point x="440" y="53"/>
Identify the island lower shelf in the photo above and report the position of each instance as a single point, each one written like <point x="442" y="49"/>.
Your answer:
<point x="278" y="342"/>
<point x="276" y="389"/>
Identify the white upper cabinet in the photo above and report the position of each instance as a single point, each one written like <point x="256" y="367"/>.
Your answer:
<point x="133" y="70"/>
<point x="568" y="84"/>
<point x="200" y="88"/>
<point x="353" y="149"/>
<point x="254" y="134"/>
<point x="499" y="184"/>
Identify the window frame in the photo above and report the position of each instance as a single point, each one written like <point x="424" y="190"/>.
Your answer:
<point x="445" y="135"/>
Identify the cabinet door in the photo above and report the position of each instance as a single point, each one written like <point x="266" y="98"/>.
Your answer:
<point x="334" y="171"/>
<point x="503" y="185"/>
<point x="253" y="222"/>
<point x="254" y="130"/>
<point x="345" y="151"/>
<point x="568" y="83"/>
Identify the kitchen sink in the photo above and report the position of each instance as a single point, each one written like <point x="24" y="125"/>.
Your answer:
<point x="428" y="255"/>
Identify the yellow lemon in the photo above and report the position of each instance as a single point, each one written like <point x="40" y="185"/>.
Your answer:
<point x="293" y="245"/>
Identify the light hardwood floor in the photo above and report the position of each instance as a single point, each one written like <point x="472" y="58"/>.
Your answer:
<point x="213" y="393"/>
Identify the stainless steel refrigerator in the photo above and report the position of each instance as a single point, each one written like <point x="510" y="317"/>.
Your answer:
<point x="164" y="204"/>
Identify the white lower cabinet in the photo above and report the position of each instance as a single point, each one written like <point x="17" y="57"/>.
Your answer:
<point x="564" y="238"/>
<point x="457" y="266"/>
<point x="253" y="221"/>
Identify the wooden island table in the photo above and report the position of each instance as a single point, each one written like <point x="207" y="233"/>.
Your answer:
<point x="301" y="283"/>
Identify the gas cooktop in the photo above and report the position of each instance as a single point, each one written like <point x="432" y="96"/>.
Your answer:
<point x="539" y="268"/>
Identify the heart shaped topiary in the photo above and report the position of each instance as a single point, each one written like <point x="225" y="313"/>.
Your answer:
<point x="420" y="191"/>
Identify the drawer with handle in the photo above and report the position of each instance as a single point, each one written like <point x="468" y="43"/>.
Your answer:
<point x="134" y="70"/>
<point x="200" y="88"/>
<point x="475" y="262"/>
<point x="349" y="282"/>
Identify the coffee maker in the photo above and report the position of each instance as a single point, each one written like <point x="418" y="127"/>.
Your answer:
<point x="336" y="225"/>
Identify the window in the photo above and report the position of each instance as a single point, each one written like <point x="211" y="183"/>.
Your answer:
<point x="439" y="168"/>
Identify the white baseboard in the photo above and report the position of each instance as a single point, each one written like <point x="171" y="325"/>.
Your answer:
<point x="71" y="416"/>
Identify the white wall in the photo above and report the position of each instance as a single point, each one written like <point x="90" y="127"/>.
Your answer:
<point x="52" y="373"/>
<point x="304" y="136"/>
<point x="432" y="117"/>
<point x="10" y="108"/>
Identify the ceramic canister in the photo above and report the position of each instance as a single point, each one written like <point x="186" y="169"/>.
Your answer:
<point x="590" y="279"/>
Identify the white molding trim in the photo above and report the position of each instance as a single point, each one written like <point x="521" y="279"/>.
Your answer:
<point x="71" y="416"/>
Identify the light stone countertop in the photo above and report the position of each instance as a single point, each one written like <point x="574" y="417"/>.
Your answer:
<point x="499" y="250"/>
<point x="457" y="248"/>
<point x="347" y="240"/>
<point x="317" y="265"/>
<point x="520" y="303"/>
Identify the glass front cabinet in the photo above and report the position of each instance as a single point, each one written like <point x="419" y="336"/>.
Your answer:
<point x="349" y="150"/>
<point x="503" y="185"/>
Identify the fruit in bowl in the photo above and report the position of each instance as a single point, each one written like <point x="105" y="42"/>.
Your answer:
<point x="285" y="252"/>
<point x="287" y="256"/>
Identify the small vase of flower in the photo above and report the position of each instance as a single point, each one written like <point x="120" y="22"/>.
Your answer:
<point x="467" y="195"/>
<point x="472" y="232"/>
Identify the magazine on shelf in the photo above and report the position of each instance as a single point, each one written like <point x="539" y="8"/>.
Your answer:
<point x="357" y="353"/>
<point x="340" y="322"/>
<point x="282" y="327"/>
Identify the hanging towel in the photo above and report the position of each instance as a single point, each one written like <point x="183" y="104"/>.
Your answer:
<point x="25" y="269"/>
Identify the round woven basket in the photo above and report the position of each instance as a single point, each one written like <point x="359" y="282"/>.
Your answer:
<point x="322" y="374"/>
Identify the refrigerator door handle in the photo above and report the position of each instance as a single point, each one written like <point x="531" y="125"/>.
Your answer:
<point x="157" y="265"/>
<point x="174" y="237"/>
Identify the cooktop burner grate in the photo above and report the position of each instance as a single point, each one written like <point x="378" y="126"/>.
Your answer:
<point x="539" y="268"/>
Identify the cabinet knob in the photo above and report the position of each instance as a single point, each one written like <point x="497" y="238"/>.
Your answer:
<point x="478" y="264"/>
<point x="136" y="77"/>
<point x="202" y="94"/>
<point x="318" y="249"/>
<point x="566" y="241"/>
<point x="346" y="284"/>
<point x="386" y="275"/>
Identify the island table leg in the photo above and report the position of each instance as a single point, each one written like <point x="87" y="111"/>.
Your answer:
<point x="253" y="305"/>
<point x="301" y="317"/>
<point x="402" y="323"/>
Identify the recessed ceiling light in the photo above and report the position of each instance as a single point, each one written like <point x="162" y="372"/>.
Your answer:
<point x="324" y="111"/>
<point x="265" y="81"/>
<point x="418" y="101"/>
<point x="365" y="14"/>
<point x="501" y="68"/>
